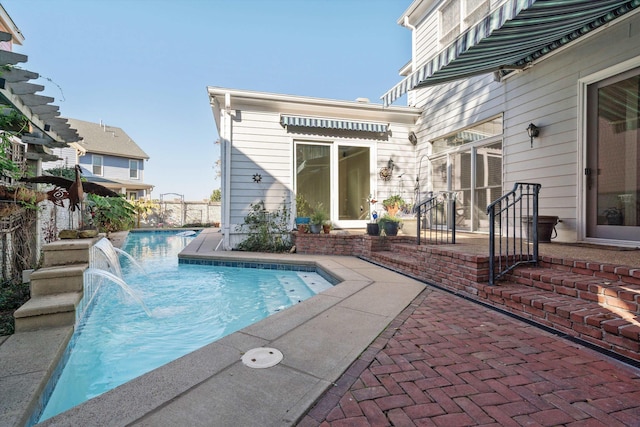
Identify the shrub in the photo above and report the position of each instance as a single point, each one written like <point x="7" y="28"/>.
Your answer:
<point x="267" y="231"/>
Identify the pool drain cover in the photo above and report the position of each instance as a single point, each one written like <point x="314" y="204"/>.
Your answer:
<point x="262" y="357"/>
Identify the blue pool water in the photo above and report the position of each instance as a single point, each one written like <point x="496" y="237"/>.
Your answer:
<point x="190" y="306"/>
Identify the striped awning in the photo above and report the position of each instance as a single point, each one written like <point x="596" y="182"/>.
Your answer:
<point x="325" y="123"/>
<point x="512" y="37"/>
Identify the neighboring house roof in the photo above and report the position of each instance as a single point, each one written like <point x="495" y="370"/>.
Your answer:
<point x="100" y="138"/>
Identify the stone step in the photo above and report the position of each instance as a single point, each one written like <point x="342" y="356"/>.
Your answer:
<point x="47" y="311"/>
<point x="56" y="280"/>
<point x="65" y="252"/>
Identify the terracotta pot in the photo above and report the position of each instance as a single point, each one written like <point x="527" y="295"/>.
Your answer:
<point x="392" y="210"/>
<point x="326" y="229"/>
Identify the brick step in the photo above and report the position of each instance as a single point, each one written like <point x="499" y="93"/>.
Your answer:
<point x="626" y="274"/>
<point x="587" y="320"/>
<point x="603" y="325"/>
<point x="612" y="292"/>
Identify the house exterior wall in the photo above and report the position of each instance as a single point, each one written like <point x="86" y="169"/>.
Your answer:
<point x="255" y="143"/>
<point x="113" y="167"/>
<point x="262" y="146"/>
<point x="547" y="94"/>
<point x="67" y="158"/>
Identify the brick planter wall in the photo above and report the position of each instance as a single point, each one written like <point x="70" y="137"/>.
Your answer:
<point x="337" y="243"/>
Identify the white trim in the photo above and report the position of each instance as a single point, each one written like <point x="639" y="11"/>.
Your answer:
<point x="581" y="138"/>
<point x="226" y="143"/>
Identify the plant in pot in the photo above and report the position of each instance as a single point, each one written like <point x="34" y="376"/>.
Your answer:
<point x="303" y="213"/>
<point x="390" y="224"/>
<point x="614" y="216"/>
<point x="326" y="227"/>
<point x="393" y="203"/>
<point x="373" y="229"/>
<point x="318" y="218"/>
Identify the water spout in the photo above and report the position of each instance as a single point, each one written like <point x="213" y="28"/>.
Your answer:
<point x="111" y="258"/>
<point x="130" y="258"/>
<point x="118" y="281"/>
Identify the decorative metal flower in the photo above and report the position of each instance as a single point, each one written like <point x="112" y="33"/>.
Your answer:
<point x="257" y="178"/>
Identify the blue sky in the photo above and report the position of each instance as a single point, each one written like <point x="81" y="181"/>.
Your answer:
<point x="144" y="65"/>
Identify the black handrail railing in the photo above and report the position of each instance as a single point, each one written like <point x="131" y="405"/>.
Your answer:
<point x="437" y="217"/>
<point x="509" y="213"/>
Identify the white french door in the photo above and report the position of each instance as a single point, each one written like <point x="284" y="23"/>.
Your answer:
<point x="336" y="177"/>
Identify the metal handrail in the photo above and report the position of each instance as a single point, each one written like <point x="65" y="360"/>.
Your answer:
<point x="437" y="216"/>
<point x="509" y="213"/>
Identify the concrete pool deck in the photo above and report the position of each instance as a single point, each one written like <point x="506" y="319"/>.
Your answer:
<point x="319" y="338"/>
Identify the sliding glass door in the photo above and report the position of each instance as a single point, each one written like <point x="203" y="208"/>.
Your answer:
<point x="613" y="158"/>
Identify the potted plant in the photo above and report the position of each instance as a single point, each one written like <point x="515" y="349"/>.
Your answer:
<point x="373" y="229"/>
<point x="326" y="227"/>
<point x="614" y="216"/>
<point x="393" y="203"/>
<point x="318" y="218"/>
<point x="390" y="224"/>
<point x="303" y="212"/>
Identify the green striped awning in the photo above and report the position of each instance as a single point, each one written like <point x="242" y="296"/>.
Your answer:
<point x="511" y="37"/>
<point x="325" y="123"/>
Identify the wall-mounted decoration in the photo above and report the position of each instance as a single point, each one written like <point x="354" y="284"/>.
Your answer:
<point x="257" y="178"/>
<point x="385" y="173"/>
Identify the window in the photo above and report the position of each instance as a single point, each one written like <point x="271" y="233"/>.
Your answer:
<point x="473" y="171"/>
<point x="457" y="16"/>
<point x="475" y="133"/>
<point x="133" y="169"/>
<point x="96" y="165"/>
<point x="449" y="22"/>
<point x="475" y="10"/>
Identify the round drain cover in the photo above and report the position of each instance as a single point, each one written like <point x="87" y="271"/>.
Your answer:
<point x="262" y="357"/>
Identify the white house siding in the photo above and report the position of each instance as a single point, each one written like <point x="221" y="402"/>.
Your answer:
<point x="260" y="145"/>
<point x="547" y="95"/>
<point x="426" y="39"/>
<point x="67" y="158"/>
<point x="397" y="148"/>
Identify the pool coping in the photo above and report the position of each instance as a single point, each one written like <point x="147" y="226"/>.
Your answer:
<point x="319" y="338"/>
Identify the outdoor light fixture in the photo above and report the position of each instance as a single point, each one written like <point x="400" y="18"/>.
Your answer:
<point x="533" y="132"/>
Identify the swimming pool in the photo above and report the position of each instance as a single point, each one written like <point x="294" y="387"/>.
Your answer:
<point x="191" y="305"/>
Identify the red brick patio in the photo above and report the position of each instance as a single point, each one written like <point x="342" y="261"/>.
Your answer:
<point x="449" y="361"/>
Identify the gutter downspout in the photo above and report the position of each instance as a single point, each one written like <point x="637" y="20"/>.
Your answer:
<point x="226" y="141"/>
<point x="406" y="23"/>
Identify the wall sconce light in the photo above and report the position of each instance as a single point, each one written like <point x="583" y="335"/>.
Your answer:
<point x="533" y="131"/>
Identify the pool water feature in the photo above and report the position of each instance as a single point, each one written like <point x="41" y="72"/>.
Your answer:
<point x="190" y="306"/>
